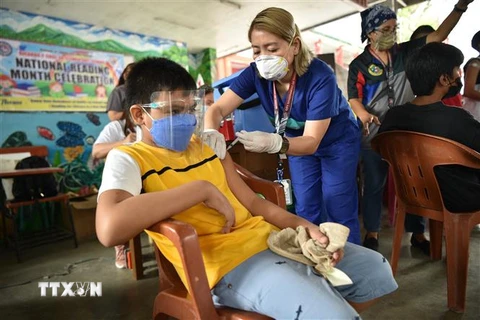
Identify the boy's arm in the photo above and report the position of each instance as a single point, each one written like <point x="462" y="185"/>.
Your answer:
<point x="121" y="215"/>
<point x="272" y="213"/>
<point x="261" y="207"/>
<point x="114" y="115"/>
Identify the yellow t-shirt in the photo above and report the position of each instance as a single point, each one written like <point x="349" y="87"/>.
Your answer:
<point x="162" y="169"/>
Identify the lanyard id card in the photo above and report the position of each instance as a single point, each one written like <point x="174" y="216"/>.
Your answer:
<point x="287" y="188"/>
<point x="281" y="124"/>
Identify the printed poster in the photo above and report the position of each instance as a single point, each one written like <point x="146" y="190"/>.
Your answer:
<point x="41" y="77"/>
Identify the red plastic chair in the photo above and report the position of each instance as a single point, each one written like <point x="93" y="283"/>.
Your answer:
<point x="174" y="299"/>
<point x="412" y="157"/>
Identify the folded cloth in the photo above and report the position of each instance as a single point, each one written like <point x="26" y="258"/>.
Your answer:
<point x="299" y="246"/>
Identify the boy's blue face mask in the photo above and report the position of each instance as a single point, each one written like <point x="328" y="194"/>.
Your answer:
<point x="176" y="116"/>
<point x="174" y="132"/>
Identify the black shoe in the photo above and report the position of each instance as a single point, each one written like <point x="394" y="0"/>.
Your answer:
<point x="371" y="243"/>
<point x="423" y="245"/>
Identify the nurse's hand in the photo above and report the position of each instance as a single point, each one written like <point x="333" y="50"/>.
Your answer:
<point x="258" y="141"/>
<point x="216" y="141"/>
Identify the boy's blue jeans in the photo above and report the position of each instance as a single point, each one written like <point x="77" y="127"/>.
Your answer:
<point x="285" y="289"/>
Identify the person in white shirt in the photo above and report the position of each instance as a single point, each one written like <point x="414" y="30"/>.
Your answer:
<point x="115" y="133"/>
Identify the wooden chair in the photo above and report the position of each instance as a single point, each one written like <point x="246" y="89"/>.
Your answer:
<point x="10" y="211"/>
<point x="173" y="299"/>
<point x="135" y="246"/>
<point x="412" y="157"/>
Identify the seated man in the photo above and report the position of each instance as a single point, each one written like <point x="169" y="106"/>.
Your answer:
<point x="172" y="174"/>
<point x="434" y="74"/>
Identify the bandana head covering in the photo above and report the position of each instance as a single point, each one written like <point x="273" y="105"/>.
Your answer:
<point x="373" y="17"/>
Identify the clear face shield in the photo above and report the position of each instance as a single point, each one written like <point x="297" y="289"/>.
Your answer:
<point x="176" y="117"/>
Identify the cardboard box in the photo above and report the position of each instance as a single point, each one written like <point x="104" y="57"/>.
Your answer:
<point x="83" y="212"/>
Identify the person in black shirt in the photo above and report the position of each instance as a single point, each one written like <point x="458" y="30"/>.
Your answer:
<point x="376" y="82"/>
<point x="116" y="99"/>
<point x="434" y="73"/>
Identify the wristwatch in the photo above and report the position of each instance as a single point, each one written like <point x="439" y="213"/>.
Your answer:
<point x="458" y="9"/>
<point x="285" y="145"/>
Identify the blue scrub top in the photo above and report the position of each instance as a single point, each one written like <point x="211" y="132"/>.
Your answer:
<point x="316" y="97"/>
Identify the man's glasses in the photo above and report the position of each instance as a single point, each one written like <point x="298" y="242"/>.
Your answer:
<point x="175" y="107"/>
<point x="174" y="104"/>
<point x="168" y="103"/>
<point x="388" y="29"/>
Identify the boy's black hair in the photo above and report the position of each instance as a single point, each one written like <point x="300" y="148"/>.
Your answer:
<point x="426" y="65"/>
<point x="476" y="41"/>
<point x="422" y="31"/>
<point x="208" y="89"/>
<point x="156" y="74"/>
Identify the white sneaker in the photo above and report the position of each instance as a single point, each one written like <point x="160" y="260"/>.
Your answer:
<point x="120" y="258"/>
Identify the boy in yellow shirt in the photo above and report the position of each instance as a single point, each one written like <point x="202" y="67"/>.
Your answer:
<point x="172" y="174"/>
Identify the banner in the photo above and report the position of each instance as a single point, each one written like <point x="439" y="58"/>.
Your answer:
<point x="41" y="77"/>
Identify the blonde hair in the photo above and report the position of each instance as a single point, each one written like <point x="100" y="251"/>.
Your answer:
<point x="280" y="22"/>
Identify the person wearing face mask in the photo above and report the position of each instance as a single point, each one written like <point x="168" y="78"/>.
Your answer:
<point x="377" y="82"/>
<point x="172" y="174"/>
<point x="116" y="133"/>
<point x="434" y="73"/>
<point x="423" y="31"/>
<point x="315" y="127"/>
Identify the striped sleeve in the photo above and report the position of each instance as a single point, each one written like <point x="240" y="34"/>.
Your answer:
<point x="356" y="82"/>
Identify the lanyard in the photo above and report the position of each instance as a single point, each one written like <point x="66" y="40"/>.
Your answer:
<point x="280" y="125"/>
<point x="389" y="76"/>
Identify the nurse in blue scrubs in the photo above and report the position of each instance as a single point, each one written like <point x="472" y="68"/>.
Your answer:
<point x="315" y="126"/>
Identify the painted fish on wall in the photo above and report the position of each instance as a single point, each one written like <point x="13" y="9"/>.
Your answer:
<point x="73" y="134"/>
<point x="46" y="133"/>
<point x="72" y="140"/>
<point x="93" y="118"/>
<point x="16" y="139"/>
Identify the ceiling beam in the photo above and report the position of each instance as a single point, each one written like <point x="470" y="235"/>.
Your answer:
<point x="231" y="3"/>
<point x="362" y="3"/>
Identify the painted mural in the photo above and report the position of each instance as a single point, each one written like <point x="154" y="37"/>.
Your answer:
<point x="69" y="135"/>
<point x="31" y="27"/>
<point x="69" y="138"/>
<point x="202" y="66"/>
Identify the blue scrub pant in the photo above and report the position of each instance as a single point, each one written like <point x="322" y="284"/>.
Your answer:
<point x="325" y="185"/>
<point x="375" y="172"/>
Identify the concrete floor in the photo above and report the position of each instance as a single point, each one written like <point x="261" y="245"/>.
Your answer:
<point x="422" y="292"/>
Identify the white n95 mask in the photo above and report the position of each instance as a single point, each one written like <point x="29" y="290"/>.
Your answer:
<point x="272" y="68"/>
